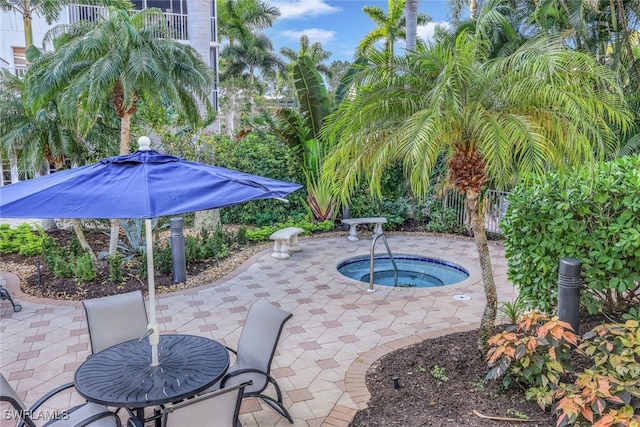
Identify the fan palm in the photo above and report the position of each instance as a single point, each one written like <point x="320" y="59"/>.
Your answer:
<point x="542" y="107"/>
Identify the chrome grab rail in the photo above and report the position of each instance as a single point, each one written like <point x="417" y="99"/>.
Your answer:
<point x="393" y="261"/>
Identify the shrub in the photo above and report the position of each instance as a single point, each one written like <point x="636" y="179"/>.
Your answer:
<point x="115" y="268"/>
<point x="163" y="258"/>
<point x="591" y="215"/>
<point x="85" y="270"/>
<point x="260" y="154"/>
<point x="21" y="239"/>
<point x="437" y="218"/>
<point x="609" y="391"/>
<point x="534" y="354"/>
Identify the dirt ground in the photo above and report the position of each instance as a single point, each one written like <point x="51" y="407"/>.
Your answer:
<point x="441" y="381"/>
<point x="442" y="384"/>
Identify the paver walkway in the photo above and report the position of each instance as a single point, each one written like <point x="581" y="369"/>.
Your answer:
<point x="338" y="328"/>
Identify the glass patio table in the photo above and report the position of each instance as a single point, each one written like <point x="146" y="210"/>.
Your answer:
<point x="122" y="375"/>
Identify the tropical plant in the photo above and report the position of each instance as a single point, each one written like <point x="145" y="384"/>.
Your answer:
<point x="540" y="108"/>
<point x="534" y="353"/>
<point x="132" y="59"/>
<point x="301" y="131"/>
<point x="40" y="138"/>
<point x="315" y="51"/>
<point x="240" y="19"/>
<point x="390" y="26"/>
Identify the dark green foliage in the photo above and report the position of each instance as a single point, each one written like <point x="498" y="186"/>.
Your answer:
<point x="436" y="217"/>
<point x="396" y="210"/>
<point x="591" y="215"/>
<point x="75" y="249"/>
<point x="162" y="258"/>
<point x="84" y="270"/>
<point x="260" y="154"/>
<point x="191" y="249"/>
<point x="57" y="259"/>
<point x="115" y="268"/>
<point x="242" y="235"/>
<point x="22" y="240"/>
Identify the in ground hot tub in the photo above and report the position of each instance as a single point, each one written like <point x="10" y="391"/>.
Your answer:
<point x="413" y="271"/>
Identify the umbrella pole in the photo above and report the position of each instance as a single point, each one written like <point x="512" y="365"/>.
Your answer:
<point x="154" y="338"/>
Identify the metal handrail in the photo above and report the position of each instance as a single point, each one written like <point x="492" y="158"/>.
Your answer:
<point x="393" y="261"/>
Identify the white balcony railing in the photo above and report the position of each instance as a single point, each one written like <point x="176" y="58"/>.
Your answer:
<point x="177" y="22"/>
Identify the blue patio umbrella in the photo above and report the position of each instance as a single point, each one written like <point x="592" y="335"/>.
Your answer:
<point x="145" y="185"/>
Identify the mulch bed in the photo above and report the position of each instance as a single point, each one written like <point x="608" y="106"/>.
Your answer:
<point x="427" y="398"/>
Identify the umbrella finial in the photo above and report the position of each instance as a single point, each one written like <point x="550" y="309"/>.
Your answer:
<point x="144" y="143"/>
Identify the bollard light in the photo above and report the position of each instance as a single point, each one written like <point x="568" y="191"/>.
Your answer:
<point x="178" y="257"/>
<point x="569" y="292"/>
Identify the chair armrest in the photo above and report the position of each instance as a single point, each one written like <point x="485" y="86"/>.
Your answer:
<point x="50" y="394"/>
<point x="246" y="371"/>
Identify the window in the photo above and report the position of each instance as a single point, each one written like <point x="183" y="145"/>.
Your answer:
<point x="19" y="60"/>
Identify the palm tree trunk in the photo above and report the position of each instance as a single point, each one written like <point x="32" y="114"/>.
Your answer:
<point x="125" y="133"/>
<point x="125" y="143"/>
<point x="114" y="236"/>
<point x="473" y="9"/>
<point x="480" y="236"/>
<point x="411" y="17"/>
<point x="77" y="228"/>
<point x="28" y="30"/>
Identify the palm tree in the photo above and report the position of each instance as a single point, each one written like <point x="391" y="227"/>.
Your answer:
<point x="240" y="62"/>
<point x="254" y="53"/>
<point x="315" y="51"/>
<point x="114" y="64"/>
<point x="390" y="26"/>
<point x="40" y="138"/>
<point x="239" y="19"/>
<point x="50" y="10"/>
<point x="543" y="107"/>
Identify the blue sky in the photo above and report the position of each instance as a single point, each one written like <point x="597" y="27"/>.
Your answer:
<point x="338" y="24"/>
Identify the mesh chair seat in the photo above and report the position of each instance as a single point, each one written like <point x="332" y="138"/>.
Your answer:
<point x="115" y="319"/>
<point x="218" y="408"/>
<point x="87" y="414"/>
<point x="256" y="347"/>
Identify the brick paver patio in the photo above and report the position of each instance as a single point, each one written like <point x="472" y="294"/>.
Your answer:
<point x="337" y="331"/>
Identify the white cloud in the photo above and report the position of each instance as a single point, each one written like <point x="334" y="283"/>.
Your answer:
<point x="425" y="32"/>
<point x="314" y="34"/>
<point x="301" y="9"/>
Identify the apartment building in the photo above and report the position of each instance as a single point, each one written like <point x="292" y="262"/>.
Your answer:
<point x="192" y="22"/>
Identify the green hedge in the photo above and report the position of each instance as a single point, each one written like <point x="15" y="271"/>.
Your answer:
<point x="260" y="154"/>
<point x="591" y="215"/>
